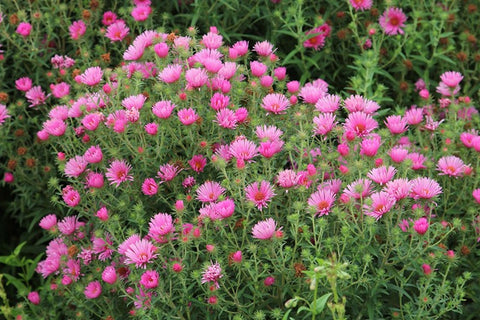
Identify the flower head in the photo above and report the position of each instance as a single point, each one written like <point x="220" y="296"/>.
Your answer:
<point x="381" y="203"/>
<point x="451" y="166"/>
<point x="93" y="290"/>
<point x="260" y="195"/>
<point x="140" y="253"/>
<point x="265" y="230"/>
<point x="425" y="188"/>
<point x="321" y="201"/>
<point x="118" y="172"/>
<point x="392" y="21"/>
<point x="209" y="191"/>
<point x="212" y="274"/>
<point x="275" y="103"/>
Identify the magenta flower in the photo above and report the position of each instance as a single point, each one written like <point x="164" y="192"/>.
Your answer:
<point x="48" y="222"/>
<point x="187" y="116"/>
<point x="360" y="123"/>
<point x="23" y="84"/>
<point x="257" y="68"/>
<point x="321" y="201"/>
<point x="117" y="31"/>
<point x="317" y="36"/>
<point x="369" y="146"/>
<point x="77" y="29"/>
<point x="209" y="191"/>
<point x="392" y="21"/>
<point x="118" y="172"/>
<point x="75" y="167"/>
<point x="3" y="113"/>
<point x="269" y="148"/>
<point x="140" y="253"/>
<point x="360" y="5"/>
<point x="421" y="225"/>
<point x="92" y="76"/>
<point x="324" y="123"/>
<point x="398" y="154"/>
<point x="226" y="118"/>
<point x="149" y="187"/>
<point x="36" y="96"/>
<point x="161" y="49"/>
<point x="451" y="78"/>
<point x="141" y="12"/>
<point x="149" y="279"/>
<point x="425" y="188"/>
<point x="381" y="203"/>
<point x="93" y="290"/>
<point x="94" y="180"/>
<point x="34" y="297"/>
<point x="167" y="172"/>
<point x="68" y="225"/>
<point x="265" y="230"/>
<point x="356" y="103"/>
<point x="109" y="275"/>
<point x="275" y="103"/>
<point x="55" y="127"/>
<point x="60" y="90"/>
<point x="260" y="195"/>
<point x="24" y="29"/>
<point x="311" y="93"/>
<point x="70" y="196"/>
<point x="219" y="101"/>
<point x="197" y="163"/>
<point x="108" y="18"/>
<point x="417" y="159"/>
<point x="451" y="166"/>
<point x="212" y="274"/>
<point x="93" y="154"/>
<point x="161" y="225"/>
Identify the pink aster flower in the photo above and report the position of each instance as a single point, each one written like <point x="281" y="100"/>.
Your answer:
<point x="93" y="290"/>
<point x="382" y="175"/>
<point x="94" y="180"/>
<point x="361" y="4"/>
<point x="381" y="203"/>
<point x="421" y="225"/>
<point x="311" y="94"/>
<point x="226" y="118"/>
<point x="321" y="201"/>
<point x="275" y="103"/>
<point x="77" y="29"/>
<point x="451" y="78"/>
<point x="125" y="245"/>
<point x="414" y="116"/>
<point x="212" y="274"/>
<point x="55" y="127"/>
<point x="196" y="77"/>
<point x="92" y="76"/>
<point x="24" y="29"/>
<point x="260" y="195"/>
<point x="187" y="116"/>
<point x="399" y="188"/>
<point x="60" y="90"/>
<point x="451" y="166"/>
<point x="23" y="84"/>
<point x="3" y="113"/>
<point x="141" y="12"/>
<point x="93" y="154"/>
<point x="243" y="149"/>
<point x="263" y="48"/>
<point x="392" y="21"/>
<point x="140" y="253"/>
<point x="396" y="124"/>
<point x="149" y="187"/>
<point x="92" y="120"/>
<point x="34" y="297"/>
<point x="476" y="195"/>
<point x="317" y="36"/>
<point x="167" y="172"/>
<point x="48" y="222"/>
<point x="418" y="160"/>
<point x="398" y="154"/>
<point x="219" y="101"/>
<point x="209" y="191"/>
<point x="134" y="102"/>
<point x="197" y="163"/>
<point x="160" y="226"/>
<point x="36" y="96"/>
<point x="360" y="123"/>
<point x="269" y="148"/>
<point x="149" y="279"/>
<point x="70" y="196"/>
<point x="467" y="138"/>
<point x="268" y="133"/>
<point x="358" y="189"/>
<point x="75" y="167"/>
<point x="118" y="172"/>
<point x="356" y="103"/>
<point x="425" y="188"/>
<point x="212" y="40"/>
<point x="117" y="31"/>
<point x="108" y="18"/>
<point x="257" y="68"/>
<point x="161" y="49"/>
<point x="163" y="109"/>
<point x="68" y="225"/>
<point x="170" y="73"/>
<point x="134" y="52"/>
<point x="324" y="123"/>
<point x="369" y="146"/>
<point x="265" y="230"/>
<point x="109" y="275"/>
<point x="287" y="178"/>
<point x="328" y="103"/>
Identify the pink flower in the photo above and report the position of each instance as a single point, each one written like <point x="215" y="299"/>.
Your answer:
<point x="55" y="127"/>
<point x="425" y="188"/>
<point x="219" y="101"/>
<point x="427" y="269"/>
<point x="163" y="109"/>
<point x="476" y="195"/>
<point x="269" y="148"/>
<point x="60" y="90"/>
<point x="399" y="188"/>
<point x="360" y="123"/>
<point x="212" y="274"/>
<point x="92" y="76"/>
<point x="369" y="146"/>
<point x="321" y="201"/>
<point x="24" y="29"/>
<point x="392" y="21"/>
<point x="212" y="40"/>
<point x="167" y="172"/>
<point x="161" y="49"/>
<point x="149" y="279"/>
<point x="356" y="103"/>
<point x="70" y="196"/>
<point x="236" y="256"/>
<point x="92" y="120"/>
<point x="93" y="290"/>
<point x="396" y="124"/>
<point x="209" y="191"/>
<point x="381" y="203"/>
<point x="160" y="226"/>
<point x="421" y="225"/>
<point x="109" y="275"/>
<point x="257" y="68"/>
<point x="451" y="166"/>
<point x="134" y="102"/>
<point x="117" y="31"/>
<point x="196" y="77"/>
<point x="109" y="17"/>
<point x="140" y="252"/>
<point x="265" y="230"/>
<point x="226" y="118"/>
<point x="197" y="163"/>
<point x="23" y="84"/>
<point x="414" y="116"/>
<point x="134" y="52"/>
<point x="93" y="154"/>
<point x="287" y="178"/>
<point x="36" y="96"/>
<point x="268" y="133"/>
<point x="329" y="103"/>
<point x="118" y="172"/>
<point x="358" y="189"/>
<point x="75" y="166"/>
<point x="269" y="281"/>
<point x="141" y="12"/>
<point x="68" y="225"/>
<point x="382" y="175"/>
<point x="263" y="48"/>
<point x="102" y="214"/>
<point x="187" y="116"/>
<point x="311" y="94"/>
<point x="451" y="78"/>
<point x="77" y="29"/>
<point x="398" y="154"/>
<point x="224" y="209"/>
<point x="260" y="195"/>
<point x="48" y="222"/>
<point x="317" y="36"/>
<point x="275" y="103"/>
<point x="34" y="297"/>
<point x="417" y="160"/>
<point x="361" y="4"/>
<point x="324" y="123"/>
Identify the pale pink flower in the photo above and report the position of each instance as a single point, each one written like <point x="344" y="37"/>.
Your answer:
<point x="212" y="40"/>
<point x="92" y="120"/>
<point x="361" y="4"/>
<point x="228" y="70"/>
<point x="268" y="133"/>
<point x="209" y="191"/>
<point x="358" y="189"/>
<point x="60" y="90"/>
<point x="265" y="230"/>
<point x="321" y="201"/>
<point x="160" y="226"/>
<point x="117" y="31"/>
<point x="224" y="209"/>
<point x="451" y="166"/>
<point x="163" y="109"/>
<point x="260" y="195"/>
<point x="141" y="12"/>
<point x="382" y="175"/>
<point x="92" y="76"/>
<point x="398" y="154"/>
<point x="417" y="159"/>
<point x="275" y="103"/>
<point x="226" y="118"/>
<point x="48" y="222"/>
<point x="70" y="196"/>
<point x="324" y="123"/>
<point x="425" y="188"/>
<point x="55" y="127"/>
<point x="149" y="187"/>
<point x="287" y="178"/>
<point x="134" y="52"/>
<point x="356" y="103"/>
<point x="269" y="148"/>
<point x="93" y="290"/>
<point x="182" y="42"/>
<point x="125" y="245"/>
<point x="134" y="102"/>
<point x="263" y="48"/>
<point x="196" y="77"/>
<point x="93" y="154"/>
<point x="118" y="172"/>
<point x="212" y="274"/>
<point x="23" y="84"/>
<point x="140" y="253"/>
<point x="149" y="279"/>
<point x="360" y="123"/>
<point x="392" y="20"/>
<point x="36" y="96"/>
<point x="109" y="275"/>
<point x="311" y="94"/>
<point x="170" y="73"/>
<point x="432" y="125"/>
<point x="328" y="103"/>
<point x="68" y="225"/>
<point x="187" y="116"/>
<point x="59" y="112"/>
<point x="381" y="203"/>
<point x="396" y="124"/>
<point x="77" y="29"/>
<point x="421" y="225"/>
<point x="414" y="116"/>
<point x="399" y="188"/>
<point x="75" y="166"/>
<point x="167" y="172"/>
<point x="239" y="49"/>
<point x="451" y="78"/>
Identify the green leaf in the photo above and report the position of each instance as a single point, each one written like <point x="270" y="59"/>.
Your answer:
<point x="17" y="250"/>
<point x="302" y="308"/>
<point x="321" y="302"/>
<point x="285" y="316"/>
<point x="21" y="288"/>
